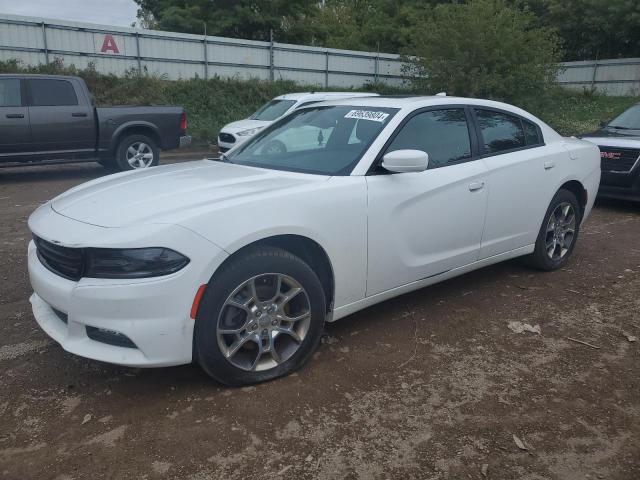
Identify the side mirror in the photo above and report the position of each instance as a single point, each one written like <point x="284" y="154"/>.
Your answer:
<point x="402" y="161"/>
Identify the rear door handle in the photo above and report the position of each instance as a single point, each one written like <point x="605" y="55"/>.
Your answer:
<point x="79" y="114"/>
<point x="15" y="115"/>
<point x="475" y="186"/>
<point x="549" y="165"/>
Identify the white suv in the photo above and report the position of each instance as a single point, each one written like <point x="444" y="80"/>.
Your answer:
<point x="238" y="132"/>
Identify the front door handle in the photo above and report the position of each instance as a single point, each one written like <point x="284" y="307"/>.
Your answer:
<point x="475" y="186"/>
<point x="79" y="114"/>
<point x="549" y="165"/>
<point x="15" y="115"/>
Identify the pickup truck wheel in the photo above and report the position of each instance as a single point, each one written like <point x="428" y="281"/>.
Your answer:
<point x="261" y="317"/>
<point x="137" y="151"/>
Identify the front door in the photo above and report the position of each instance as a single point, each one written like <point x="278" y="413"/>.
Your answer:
<point x="424" y="224"/>
<point x="14" y="120"/>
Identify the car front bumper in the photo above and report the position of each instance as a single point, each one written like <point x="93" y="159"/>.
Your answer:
<point x="95" y="317"/>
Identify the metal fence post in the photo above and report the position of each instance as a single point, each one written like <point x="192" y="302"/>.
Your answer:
<point x="206" y="59"/>
<point x="138" y="53"/>
<point x="44" y="41"/>
<point x="326" y="69"/>
<point x="377" y="70"/>
<point x="595" y="71"/>
<point x="271" y="65"/>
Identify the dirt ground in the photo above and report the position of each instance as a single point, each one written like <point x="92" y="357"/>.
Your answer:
<point x="430" y="385"/>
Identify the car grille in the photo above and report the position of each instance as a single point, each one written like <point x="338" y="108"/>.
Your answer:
<point x="227" y="138"/>
<point x="621" y="160"/>
<point x="64" y="261"/>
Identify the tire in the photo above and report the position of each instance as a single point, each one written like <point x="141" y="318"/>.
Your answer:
<point x="228" y="317"/>
<point x="274" y="147"/>
<point x="552" y="249"/>
<point x="136" y="152"/>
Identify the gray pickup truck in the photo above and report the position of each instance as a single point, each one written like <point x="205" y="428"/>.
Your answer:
<point x="50" y="118"/>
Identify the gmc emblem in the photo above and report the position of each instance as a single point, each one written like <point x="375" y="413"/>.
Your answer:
<point x="610" y="155"/>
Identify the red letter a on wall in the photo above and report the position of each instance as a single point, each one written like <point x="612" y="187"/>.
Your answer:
<point x="109" y="44"/>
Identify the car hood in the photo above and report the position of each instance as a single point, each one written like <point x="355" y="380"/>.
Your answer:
<point x="241" y="125"/>
<point x="611" y="133"/>
<point x="169" y="194"/>
<point x="613" y="141"/>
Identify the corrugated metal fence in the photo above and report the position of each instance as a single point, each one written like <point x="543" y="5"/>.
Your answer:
<point x="177" y="55"/>
<point x="118" y="49"/>
<point x="613" y="77"/>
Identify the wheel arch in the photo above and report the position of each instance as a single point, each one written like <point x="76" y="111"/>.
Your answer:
<point x="307" y="249"/>
<point x="145" y="128"/>
<point x="577" y="188"/>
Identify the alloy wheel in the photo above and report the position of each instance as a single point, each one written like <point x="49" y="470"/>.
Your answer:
<point x="561" y="230"/>
<point x="263" y="322"/>
<point x="139" y="155"/>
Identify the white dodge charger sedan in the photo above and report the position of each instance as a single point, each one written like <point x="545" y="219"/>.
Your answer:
<point x="237" y="263"/>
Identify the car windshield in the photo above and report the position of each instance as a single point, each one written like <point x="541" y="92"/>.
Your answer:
<point x="629" y="119"/>
<point x="320" y="140"/>
<point x="272" y="110"/>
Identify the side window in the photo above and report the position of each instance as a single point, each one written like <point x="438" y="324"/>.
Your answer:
<point x="500" y="131"/>
<point x="531" y="134"/>
<point x="10" y="95"/>
<point x="52" y="93"/>
<point x="443" y="134"/>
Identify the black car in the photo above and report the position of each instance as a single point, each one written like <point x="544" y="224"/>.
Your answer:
<point x="619" y="143"/>
<point x="51" y="118"/>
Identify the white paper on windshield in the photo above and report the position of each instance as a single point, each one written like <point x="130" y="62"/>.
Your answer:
<point x="367" y="115"/>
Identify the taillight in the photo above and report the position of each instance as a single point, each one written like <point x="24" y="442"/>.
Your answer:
<point x="183" y="122"/>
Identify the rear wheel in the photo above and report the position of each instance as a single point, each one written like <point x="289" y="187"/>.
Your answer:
<point x="261" y="317"/>
<point x="137" y="152"/>
<point x="558" y="233"/>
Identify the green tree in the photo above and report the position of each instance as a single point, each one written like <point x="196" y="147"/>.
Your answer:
<point x="250" y="19"/>
<point x="592" y="28"/>
<point x="484" y="48"/>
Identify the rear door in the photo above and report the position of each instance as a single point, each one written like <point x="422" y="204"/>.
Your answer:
<point x="62" y="122"/>
<point x="521" y="179"/>
<point x="14" y="118"/>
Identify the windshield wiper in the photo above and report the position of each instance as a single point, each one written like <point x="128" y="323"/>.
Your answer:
<point x="621" y="128"/>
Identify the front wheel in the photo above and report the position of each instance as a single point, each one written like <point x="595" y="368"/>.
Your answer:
<point x="136" y="152"/>
<point x="261" y="317"/>
<point x="558" y="234"/>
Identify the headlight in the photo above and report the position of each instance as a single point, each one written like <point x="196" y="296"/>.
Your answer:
<point x="248" y="133"/>
<point x="132" y="263"/>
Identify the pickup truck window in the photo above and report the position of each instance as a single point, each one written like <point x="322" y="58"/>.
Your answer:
<point x="52" y="93"/>
<point x="10" y="95"/>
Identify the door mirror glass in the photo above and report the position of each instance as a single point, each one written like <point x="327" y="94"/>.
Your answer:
<point x="401" y="161"/>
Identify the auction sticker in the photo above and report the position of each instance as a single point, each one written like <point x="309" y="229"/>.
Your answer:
<point x="367" y="115"/>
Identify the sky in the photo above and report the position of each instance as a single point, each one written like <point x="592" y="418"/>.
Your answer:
<point x="107" y="12"/>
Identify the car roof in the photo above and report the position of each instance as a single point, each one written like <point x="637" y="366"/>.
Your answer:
<point x="408" y="104"/>
<point x="302" y="96"/>
<point x="413" y="102"/>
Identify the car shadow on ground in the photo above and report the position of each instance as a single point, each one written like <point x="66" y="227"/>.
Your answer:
<point x="45" y="173"/>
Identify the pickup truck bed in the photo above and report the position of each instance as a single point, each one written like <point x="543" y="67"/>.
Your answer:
<point x="52" y="118"/>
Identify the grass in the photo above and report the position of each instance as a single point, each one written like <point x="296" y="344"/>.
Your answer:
<point x="212" y="103"/>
